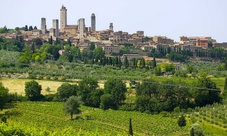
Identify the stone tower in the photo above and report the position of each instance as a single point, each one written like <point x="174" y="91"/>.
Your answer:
<point x="63" y="18"/>
<point x="111" y="27"/>
<point x="56" y="27"/>
<point x="43" y="25"/>
<point x="81" y="27"/>
<point x="93" y="22"/>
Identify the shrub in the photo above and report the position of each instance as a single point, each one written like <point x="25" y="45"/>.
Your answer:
<point x="55" y="78"/>
<point x="48" y="77"/>
<point x="50" y="97"/>
<point x="127" y="107"/>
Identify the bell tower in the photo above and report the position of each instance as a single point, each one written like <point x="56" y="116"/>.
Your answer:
<point x="63" y="18"/>
<point x="93" y="22"/>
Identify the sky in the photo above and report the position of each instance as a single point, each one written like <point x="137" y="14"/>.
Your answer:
<point x="171" y="18"/>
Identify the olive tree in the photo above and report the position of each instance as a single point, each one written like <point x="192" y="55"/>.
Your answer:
<point x="196" y="130"/>
<point x="72" y="105"/>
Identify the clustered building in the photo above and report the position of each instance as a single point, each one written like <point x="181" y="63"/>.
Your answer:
<point x="80" y="35"/>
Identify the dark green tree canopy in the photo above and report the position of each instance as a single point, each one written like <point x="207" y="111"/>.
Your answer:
<point x="66" y="90"/>
<point x="92" y="46"/>
<point x="181" y="121"/>
<point x="94" y="98"/>
<point x="33" y="90"/>
<point x="130" y="131"/>
<point x="30" y="28"/>
<point x="147" y="87"/>
<point x="107" y="102"/>
<point x="86" y="86"/>
<point x="207" y="92"/>
<point x="117" y="89"/>
<point x="3" y="96"/>
<point x="154" y="62"/>
<point x="4" y="30"/>
<point x="26" y="28"/>
<point x="126" y="63"/>
<point x="154" y="96"/>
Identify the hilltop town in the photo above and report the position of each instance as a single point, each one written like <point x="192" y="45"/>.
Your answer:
<point x="76" y="80"/>
<point x="81" y="35"/>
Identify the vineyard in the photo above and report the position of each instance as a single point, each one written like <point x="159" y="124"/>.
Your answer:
<point x="49" y="115"/>
<point x="49" y="118"/>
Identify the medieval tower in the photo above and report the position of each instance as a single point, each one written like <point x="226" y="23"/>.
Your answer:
<point x="81" y="26"/>
<point x="111" y="27"/>
<point x="63" y="18"/>
<point x="56" y="27"/>
<point x="93" y="22"/>
<point x="43" y="25"/>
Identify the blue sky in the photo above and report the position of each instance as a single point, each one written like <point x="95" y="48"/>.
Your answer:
<point x="171" y="18"/>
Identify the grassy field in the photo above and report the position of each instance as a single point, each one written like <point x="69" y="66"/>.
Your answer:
<point x="219" y="81"/>
<point x="18" y="85"/>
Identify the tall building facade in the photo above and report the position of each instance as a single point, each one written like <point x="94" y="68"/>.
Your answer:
<point x="93" y="22"/>
<point x="111" y="27"/>
<point x="81" y="26"/>
<point x="43" y="25"/>
<point x="56" y="27"/>
<point x="63" y="18"/>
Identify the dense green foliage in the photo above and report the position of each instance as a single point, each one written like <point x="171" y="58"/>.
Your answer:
<point x="3" y="96"/>
<point x="86" y="88"/>
<point x="72" y="105"/>
<point x="66" y="90"/>
<point x="181" y="121"/>
<point x="196" y="130"/>
<point x="153" y="96"/>
<point x="33" y="90"/>
<point x="117" y="89"/>
<point x="130" y="132"/>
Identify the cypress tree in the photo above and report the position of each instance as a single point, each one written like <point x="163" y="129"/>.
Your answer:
<point x="30" y="28"/>
<point x="116" y="61"/>
<point x="126" y="62"/>
<point x="134" y="63"/>
<point x="130" y="132"/>
<point x="119" y="62"/>
<point x="51" y="40"/>
<point x="110" y="61"/>
<point x="154" y="63"/>
<point x="181" y="122"/>
<point x="26" y="28"/>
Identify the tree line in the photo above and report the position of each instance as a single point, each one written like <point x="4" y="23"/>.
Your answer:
<point x="151" y="96"/>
